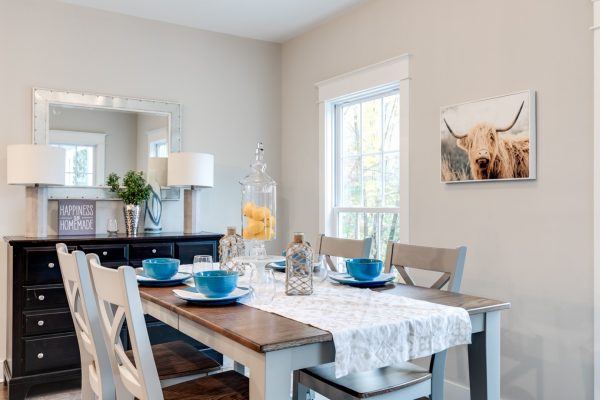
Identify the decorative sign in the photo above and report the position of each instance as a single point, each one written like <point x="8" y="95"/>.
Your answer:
<point x="76" y="217"/>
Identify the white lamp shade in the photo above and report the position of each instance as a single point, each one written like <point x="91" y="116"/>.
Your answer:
<point x="190" y="169"/>
<point x="35" y="164"/>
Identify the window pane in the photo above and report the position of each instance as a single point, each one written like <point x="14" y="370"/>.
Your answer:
<point x="382" y="227"/>
<point x="372" y="181"/>
<point x="351" y="190"/>
<point x="371" y="126"/>
<point x="391" y="176"/>
<point x="391" y="125"/>
<point x="83" y="165"/>
<point x="351" y="129"/>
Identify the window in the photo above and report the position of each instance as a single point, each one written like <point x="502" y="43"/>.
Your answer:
<point x="367" y="168"/>
<point x="79" y="166"/>
<point x="84" y="163"/>
<point x="363" y="154"/>
<point x="158" y="148"/>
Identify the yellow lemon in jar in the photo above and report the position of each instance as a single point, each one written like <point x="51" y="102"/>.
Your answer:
<point x="245" y="233"/>
<point x="248" y="209"/>
<point x="261" y="213"/>
<point x="264" y="235"/>
<point x="271" y="221"/>
<point x="255" y="227"/>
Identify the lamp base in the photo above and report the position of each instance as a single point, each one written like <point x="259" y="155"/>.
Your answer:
<point x="191" y="211"/>
<point x="36" y="210"/>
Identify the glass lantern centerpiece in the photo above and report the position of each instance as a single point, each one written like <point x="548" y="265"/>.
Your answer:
<point x="259" y="197"/>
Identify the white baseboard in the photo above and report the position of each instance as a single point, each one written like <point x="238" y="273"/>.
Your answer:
<point x="455" y="391"/>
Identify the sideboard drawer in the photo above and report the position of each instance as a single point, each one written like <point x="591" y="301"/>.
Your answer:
<point x="187" y="250"/>
<point x="41" y="265"/>
<point x="44" y="322"/>
<point x="51" y="296"/>
<point x="49" y="353"/>
<point x="141" y="251"/>
<point x="108" y="253"/>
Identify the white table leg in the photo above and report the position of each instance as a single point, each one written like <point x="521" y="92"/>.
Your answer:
<point x="484" y="360"/>
<point x="273" y="382"/>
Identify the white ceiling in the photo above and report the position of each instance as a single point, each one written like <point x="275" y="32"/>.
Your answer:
<point x="270" y="20"/>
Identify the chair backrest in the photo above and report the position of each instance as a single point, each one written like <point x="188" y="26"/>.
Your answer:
<point x="329" y="246"/>
<point x="119" y="301"/>
<point x="450" y="262"/>
<point x="95" y="365"/>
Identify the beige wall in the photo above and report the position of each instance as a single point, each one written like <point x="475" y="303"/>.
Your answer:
<point x="529" y="242"/>
<point x="229" y="89"/>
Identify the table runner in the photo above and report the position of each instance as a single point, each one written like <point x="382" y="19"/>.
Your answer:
<point x="372" y="329"/>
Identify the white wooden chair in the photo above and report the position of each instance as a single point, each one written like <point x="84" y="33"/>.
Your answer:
<point x="119" y="301"/>
<point x="329" y="246"/>
<point x="399" y="382"/>
<point x="176" y="361"/>
<point x="96" y="374"/>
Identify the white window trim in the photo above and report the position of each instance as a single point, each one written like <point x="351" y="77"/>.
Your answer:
<point x="98" y="140"/>
<point x="385" y="73"/>
<point x="596" y="33"/>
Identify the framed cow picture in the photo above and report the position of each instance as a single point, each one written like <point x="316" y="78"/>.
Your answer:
<point x="489" y="139"/>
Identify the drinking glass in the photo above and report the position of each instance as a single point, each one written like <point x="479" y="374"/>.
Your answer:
<point x="320" y="271"/>
<point x="202" y="264"/>
<point x="111" y="226"/>
<point x="262" y="284"/>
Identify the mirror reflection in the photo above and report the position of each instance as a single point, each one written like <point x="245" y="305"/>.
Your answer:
<point x="99" y="141"/>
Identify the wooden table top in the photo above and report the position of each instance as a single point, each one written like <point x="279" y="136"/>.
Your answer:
<point x="262" y="331"/>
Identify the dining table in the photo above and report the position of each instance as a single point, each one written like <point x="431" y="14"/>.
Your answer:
<point x="272" y="346"/>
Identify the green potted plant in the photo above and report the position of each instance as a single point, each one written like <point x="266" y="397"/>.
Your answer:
<point x="134" y="191"/>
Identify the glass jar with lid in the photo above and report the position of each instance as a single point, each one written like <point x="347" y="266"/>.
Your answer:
<point x="259" y="198"/>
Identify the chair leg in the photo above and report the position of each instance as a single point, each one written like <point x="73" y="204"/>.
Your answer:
<point x="437" y="369"/>
<point x="299" y="391"/>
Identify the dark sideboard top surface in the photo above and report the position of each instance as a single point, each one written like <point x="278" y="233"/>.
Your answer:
<point x="142" y="237"/>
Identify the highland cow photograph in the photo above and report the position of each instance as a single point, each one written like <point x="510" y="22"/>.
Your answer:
<point x="489" y="139"/>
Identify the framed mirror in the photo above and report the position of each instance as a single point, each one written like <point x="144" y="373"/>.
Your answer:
<point x="103" y="134"/>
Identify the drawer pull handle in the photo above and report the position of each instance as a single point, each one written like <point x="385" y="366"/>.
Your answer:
<point x="50" y="265"/>
<point x="153" y="251"/>
<point x="105" y="253"/>
<point x="41" y="297"/>
<point x="40" y="355"/>
<point x="41" y="322"/>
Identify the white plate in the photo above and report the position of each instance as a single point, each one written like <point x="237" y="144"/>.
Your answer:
<point x="190" y="294"/>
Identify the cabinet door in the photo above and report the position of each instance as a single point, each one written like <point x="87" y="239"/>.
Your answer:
<point x="51" y="353"/>
<point x="186" y="251"/>
<point x="108" y="253"/>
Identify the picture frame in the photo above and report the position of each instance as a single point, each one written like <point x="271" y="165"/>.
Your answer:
<point x="491" y="139"/>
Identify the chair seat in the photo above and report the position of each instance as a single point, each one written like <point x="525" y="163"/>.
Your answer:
<point x="178" y="358"/>
<point x="228" y="385"/>
<point x="364" y="384"/>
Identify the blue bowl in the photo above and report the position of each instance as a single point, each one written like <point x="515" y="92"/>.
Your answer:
<point x="160" y="268"/>
<point x="215" y="283"/>
<point x="364" y="269"/>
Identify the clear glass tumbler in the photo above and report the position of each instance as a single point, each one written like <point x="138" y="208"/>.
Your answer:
<point x="262" y="284"/>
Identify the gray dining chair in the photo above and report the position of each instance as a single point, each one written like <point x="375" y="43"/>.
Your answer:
<point x="176" y="361"/>
<point x="119" y="302"/>
<point x="329" y="246"/>
<point x="407" y="381"/>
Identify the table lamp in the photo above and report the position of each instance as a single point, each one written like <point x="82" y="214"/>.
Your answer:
<point x="194" y="171"/>
<point x="36" y="167"/>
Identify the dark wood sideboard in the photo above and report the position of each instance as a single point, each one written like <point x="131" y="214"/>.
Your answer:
<point x="42" y="345"/>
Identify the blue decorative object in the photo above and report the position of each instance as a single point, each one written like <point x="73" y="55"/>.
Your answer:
<point x="214" y="284"/>
<point x="152" y="220"/>
<point x="364" y="269"/>
<point x="160" y="268"/>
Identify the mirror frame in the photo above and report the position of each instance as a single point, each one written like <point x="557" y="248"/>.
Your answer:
<point x="44" y="98"/>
